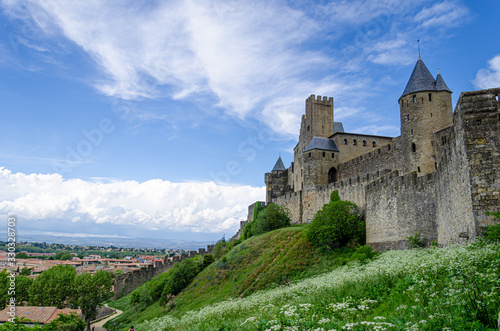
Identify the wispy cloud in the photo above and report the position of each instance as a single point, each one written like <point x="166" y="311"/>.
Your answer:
<point x="489" y="77"/>
<point x="258" y="59"/>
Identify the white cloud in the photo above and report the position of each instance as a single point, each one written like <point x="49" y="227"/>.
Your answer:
<point x="489" y="77"/>
<point x="154" y="204"/>
<point x="246" y="58"/>
<point x="442" y="14"/>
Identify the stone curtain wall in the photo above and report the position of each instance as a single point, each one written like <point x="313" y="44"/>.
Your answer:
<point x="398" y="207"/>
<point x="129" y="281"/>
<point x="469" y="170"/>
<point x="292" y="202"/>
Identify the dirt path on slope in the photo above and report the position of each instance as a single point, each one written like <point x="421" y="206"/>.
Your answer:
<point x="99" y="326"/>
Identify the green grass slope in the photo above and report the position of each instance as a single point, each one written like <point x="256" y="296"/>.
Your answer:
<point x="455" y="288"/>
<point x="262" y="262"/>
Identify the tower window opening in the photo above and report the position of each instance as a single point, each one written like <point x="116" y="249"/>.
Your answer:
<point x="413" y="148"/>
<point x="414" y="99"/>
<point x="411" y="131"/>
<point x="389" y="147"/>
<point x="333" y="155"/>
<point x="374" y="143"/>
<point x="364" y="142"/>
<point x="408" y="117"/>
<point x="345" y="141"/>
<point x="418" y="168"/>
<point x="478" y="122"/>
<point x="332" y="175"/>
<point x="308" y="128"/>
<point x="323" y="154"/>
<point x="430" y="96"/>
<point x="309" y="154"/>
<point x="431" y="114"/>
<point x="354" y="142"/>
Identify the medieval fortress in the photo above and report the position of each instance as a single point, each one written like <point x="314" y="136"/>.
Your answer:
<point x="439" y="176"/>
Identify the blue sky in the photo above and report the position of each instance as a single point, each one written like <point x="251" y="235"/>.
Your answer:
<point x="159" y="119"/>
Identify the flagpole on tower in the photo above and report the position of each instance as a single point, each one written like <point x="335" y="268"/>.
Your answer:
<point x="418" y="42"/>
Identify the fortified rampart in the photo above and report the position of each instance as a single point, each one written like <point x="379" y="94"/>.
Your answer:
<point x="127" y="282"/>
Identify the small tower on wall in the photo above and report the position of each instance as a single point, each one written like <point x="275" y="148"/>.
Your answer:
<point x="276" y="181"/>
<point x="425" y="107"/>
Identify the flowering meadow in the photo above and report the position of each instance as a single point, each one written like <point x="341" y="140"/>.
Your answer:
<point x="454" y="288"/>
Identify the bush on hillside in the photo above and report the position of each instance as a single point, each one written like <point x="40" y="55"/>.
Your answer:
<point x="272" y="218"/>
<point x="181" y="275"/>
<point x="339" y="223"/>
<point x="247" y="230"/>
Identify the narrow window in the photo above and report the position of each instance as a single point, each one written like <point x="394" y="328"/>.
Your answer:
<point x="323" y="154"/>
<point x="418" y="168"/>
<point x="413" y="148"/>
<point x="345" y="141"/>
<point x="374" y="143"/>
<point x="431" y="114"/>
<point x="435" y="165"/>
<point x="364" y="142"/>
<point x="411" y="131"/>
<point x="308" y="127"/>
<point x="309" y="154"/>
<point x="414" y="99"/>
<point x="430" y="96"/>
<point x="354" y="142"/>
<point x="408" y="117"/>
<point x="389" y="147"/>
<point x="333" y="155"/>
<point x="478" y="122"/>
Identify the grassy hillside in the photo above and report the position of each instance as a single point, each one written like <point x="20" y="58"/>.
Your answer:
<point x="455" y="288"/>
<point x="261" y="262"/>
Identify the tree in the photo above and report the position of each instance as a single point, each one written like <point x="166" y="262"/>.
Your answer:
<point x="54" y="287"/>
<point x="134" y="299"/>
<point x="23" y="285"/>
<point x="91" y="291"/>
<point x="337" y="224"/>
<point x="63" y="256"/>
<point x="22" y="255"/>
<point x="208" y="259"/>
<point x="70" y="322"/>
<point x="4" y="288"/>
<point x="272" y="218"/>
<point x="181" y="275"/>
<point x="25" y="271"/>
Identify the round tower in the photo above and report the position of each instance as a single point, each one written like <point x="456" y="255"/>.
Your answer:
<point x="425" y="107"/>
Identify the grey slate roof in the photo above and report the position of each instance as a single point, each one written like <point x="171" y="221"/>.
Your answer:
<point x="338" y="127"/>
<point x="323" y="144"/>
<point x="279" y="166"/>
<point x="421" y="80"/>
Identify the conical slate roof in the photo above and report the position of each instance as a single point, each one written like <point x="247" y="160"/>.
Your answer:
<point x="325" y="144"/>
<point x="279" y="166"/>
<point x="420" y="80"/>
<point x="441" y="85"/>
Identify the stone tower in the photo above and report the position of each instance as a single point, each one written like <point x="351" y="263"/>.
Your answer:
<point x="425" y="107"/>
<point x="276" y="181"/>
<point x="319" y="118"/>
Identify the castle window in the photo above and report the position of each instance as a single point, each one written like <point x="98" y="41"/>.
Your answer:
<point x="411" y="131"/>
<point x="345" y="141"/>
<point x="431" y="114"/>
<point x="414" y="99"/>
<point x="374" y="143"/>
<point x="332" y="175"/>
<point x="354" y="142"/>
<point x="478" y="122"/>
<point x="333" y="155"/>
<point x="309" y="154"/>
<point x="435" y="165"/>
<point x="323" y="154"/>
<point x="389" y="147"/>
<point x="430" y="96"/>
<point x="418" y="168"/>
<point x="413" y="148"/>
<point x="408" y="117"/>
<point x="308" y="127"/>
<point x="364" y="142"/>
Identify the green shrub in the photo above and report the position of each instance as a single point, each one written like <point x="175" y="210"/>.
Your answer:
<point x="272" y="218"/>
<point x="180" y="276"/>
<point x="416" y="241"/>
<point x="364" y="253"/>
<point x="220" y="248"/>
<point x="208" y="259"/>
<point x="339" y="223"/>
<point x="491" y="233"/>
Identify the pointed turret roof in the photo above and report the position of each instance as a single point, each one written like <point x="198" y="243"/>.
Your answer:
<point x="279" y="166"/>
<point x="441" y="85"/>
<point x="420" y="80"/>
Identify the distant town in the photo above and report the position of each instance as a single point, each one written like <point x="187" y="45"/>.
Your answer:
<point x="32" y="258"/>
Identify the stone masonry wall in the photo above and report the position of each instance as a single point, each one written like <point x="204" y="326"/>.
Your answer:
<point x="398" y="207"/>
<point x="129" y="281"/>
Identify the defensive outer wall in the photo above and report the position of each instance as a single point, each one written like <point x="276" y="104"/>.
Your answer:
<point x="127" y="282"/>
<point x="447" y="205"/>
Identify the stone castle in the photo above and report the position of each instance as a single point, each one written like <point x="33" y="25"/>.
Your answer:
<point x="439" y="176"/>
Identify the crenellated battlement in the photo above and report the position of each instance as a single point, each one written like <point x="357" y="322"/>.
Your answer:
<point x="318" y="99"/>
